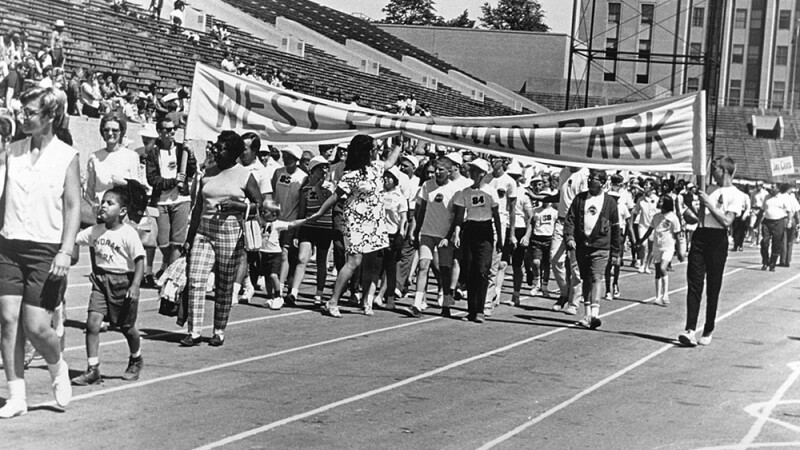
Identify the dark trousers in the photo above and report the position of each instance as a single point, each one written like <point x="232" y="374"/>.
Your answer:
<point x="788" y="245"/>
<point x="404" y="261"/>
<point x="772" y="232"/>
<point x="254" y="267"/>
<point x="390" y="257"/>
<point x="477" y="240"/>
<point x="706" y="262"/>
<point x="739" y="230"/>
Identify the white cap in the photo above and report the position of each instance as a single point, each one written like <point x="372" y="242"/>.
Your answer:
<point x="514" y="168"/>
<point x="412" y="159"/>
<point x="398" y="175"/>
<point x="294" y="150"/>
<point x="455" y="157"/>
<point x="480" y="164"/>
<point x="172" y="96"/>
<point x="149" y="131"/>
<point x="59" y="23"/>
<point x="316" y="161"/>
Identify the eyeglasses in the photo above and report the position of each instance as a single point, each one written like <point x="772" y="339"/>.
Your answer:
<point x="28" y="113"/>
<point x="167" y="130"/>
<point x="111" y="130"/>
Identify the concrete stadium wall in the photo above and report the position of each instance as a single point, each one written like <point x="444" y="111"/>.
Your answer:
<point x="509" y="58"/>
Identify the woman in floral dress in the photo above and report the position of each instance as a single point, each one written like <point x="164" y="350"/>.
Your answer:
<point x="362" y="186"/>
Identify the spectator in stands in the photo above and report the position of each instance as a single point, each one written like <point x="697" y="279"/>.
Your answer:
<point x="47" y="78"/>
<point x="120" y="6"/>
<point x="90" y="95"/>
<point x="108" y="89"/>
<point x="36" y="242"/>
<point x="16" y="46"/>
<point x="171" y="101"/>
<point x="73" y="90"/>
<point x="57" y="44"/>
<point x="177" y="17"/>
<point x="227" y="63"/>
<point x="154" y="97"/>
<point x="215" y="235"/>
<point x="12" y="85"/>
<point x="155" y="8"/>
<point x="44" y="60"/>
<point x="129" y="108"/>
<point x="169" y="166"/>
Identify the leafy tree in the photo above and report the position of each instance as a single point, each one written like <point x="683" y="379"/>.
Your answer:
<point x="462" y="21"/>
<point x="411" y="12"/>
<point x="522" y="15"/>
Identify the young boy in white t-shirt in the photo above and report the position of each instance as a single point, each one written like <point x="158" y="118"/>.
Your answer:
<point x="117" y="271"/>
<point x="271" y="251"/>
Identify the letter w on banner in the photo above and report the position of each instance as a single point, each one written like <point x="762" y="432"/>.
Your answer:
<point x="666" y="134"/>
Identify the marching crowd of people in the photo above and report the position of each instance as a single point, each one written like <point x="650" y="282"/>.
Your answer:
<point x="386" y="212"/>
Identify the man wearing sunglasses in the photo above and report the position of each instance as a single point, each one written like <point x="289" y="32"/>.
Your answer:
<point x="170" y="189"/>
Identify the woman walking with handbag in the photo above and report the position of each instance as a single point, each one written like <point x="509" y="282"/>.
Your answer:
<point x="215" y="234"/>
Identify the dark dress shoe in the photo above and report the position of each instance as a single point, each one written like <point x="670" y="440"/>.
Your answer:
<point x="189" y="341"/>
<point x="216" y="341"/>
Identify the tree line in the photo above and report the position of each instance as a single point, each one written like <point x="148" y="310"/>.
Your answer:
<point x="521" y="15"/>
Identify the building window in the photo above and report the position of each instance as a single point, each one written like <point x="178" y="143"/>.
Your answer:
<point x="735" y="92"/>
<point x="643" y="78"/>
<point x="753" y="54"/>
<point x="609" y="76"/>
<point x="785" y="19"/>
<point x="695" y="50"/>
<point x="778" y="94"/>
<point x="647" y="13"/>
<point x="737" y="55"/>
<point x="644" y="49"/>
<point x="693" y="85"/>
<point x="613" y="12"/>
<point x="750" y="93"/>
<point x="698" y="17"/>
<point x="781" y="55"/>
<point x="756" y="19"/>
<point x="740" y="18"/>
<point x="611" y="48"/>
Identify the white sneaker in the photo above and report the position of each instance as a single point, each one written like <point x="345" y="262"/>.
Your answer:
<point x="247" y="295"/>
<point x="659" y="301"/>
<point x="440" y="299"/>
<point x="608" y="296"/>
<point x="14" y="407"/>
<point x="378" y="301"/>
<point x="704" y="340"/>
<point x="687" y="339"/>
<point x="317" y="300"/>
<point x="647" y="270"/>
<point x="274" y="304"/>
<point x="571" y="310"/>
<point x="62" y="387"/>
<point x="424" y="305"/>
<point x="641" y="268"/>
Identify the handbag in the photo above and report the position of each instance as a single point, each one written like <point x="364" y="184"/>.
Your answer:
<point x="252" y="230"/>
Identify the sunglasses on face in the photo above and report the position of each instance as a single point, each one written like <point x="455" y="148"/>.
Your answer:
<point x="168" y="130"/>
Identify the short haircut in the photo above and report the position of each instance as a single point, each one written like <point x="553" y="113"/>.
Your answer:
<point x="160" y="122"/>
<point x="52" y="102"/>
<point x="667" y="203"/>
<point x="232" y="142"/>
<point x="601" y="175"/>
<point x="784" y="188"/>
<point x="727" y="163"/>
<point x="255" y="141"/>
<point x="616" y="179"/>
<point x="122" y="194"/>
<point x="115" y="116"/>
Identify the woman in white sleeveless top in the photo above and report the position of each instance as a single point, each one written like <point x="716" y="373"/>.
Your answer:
<point x="42" y="216"/>
<point x="113" y="164"/>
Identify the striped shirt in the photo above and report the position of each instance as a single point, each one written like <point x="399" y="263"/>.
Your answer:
<point x="313" y="203"/>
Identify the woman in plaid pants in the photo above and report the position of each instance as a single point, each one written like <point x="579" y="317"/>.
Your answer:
<point x="215" y="234"/>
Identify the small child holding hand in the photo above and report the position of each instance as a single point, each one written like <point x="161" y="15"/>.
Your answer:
<point x="666" y="227"/>
<point x="271" y="251"/>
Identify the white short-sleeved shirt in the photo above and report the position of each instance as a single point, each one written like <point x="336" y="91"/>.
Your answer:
<point x="478" y="203"/>
<point x="262" y="176"/>
<point x="287" y="192"/>
<point x="105" y="165"/>
<point x="725" y="199"/>
<point x="664" y="225"/>
<point x="395" y="205"/>
<point x="544" y="220"/>
<point x="571" y="184"/>
<point x="523" y="203"/>
<point x="439" y="208"/>
<point x="646" y="208"/>
<point x="410" y="188"/>
<point x="506" y="189"/>
<point x="777" y="207"/>
<point x="270" y="236"/>
<point x="115" y="251"/>
<point x="35" y="191"/>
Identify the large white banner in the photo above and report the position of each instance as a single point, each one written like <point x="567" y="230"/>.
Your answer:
<point x="662" y="135"/>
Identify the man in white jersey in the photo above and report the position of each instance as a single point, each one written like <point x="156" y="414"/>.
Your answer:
<point x="709" y="249"/>
<point x="506" y="189"/>
<point x="286" y="184"/>
<point x="434" y="213"/>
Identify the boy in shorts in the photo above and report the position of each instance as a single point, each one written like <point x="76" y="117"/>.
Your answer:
<point x="118" y="268"/>
<point x="272" y="252"/>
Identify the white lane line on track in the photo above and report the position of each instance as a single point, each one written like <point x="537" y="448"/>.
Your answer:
<point x="183" y="331"/>
<point x="238" y="362"/>
<point x="264" y="428"/>
<point x="622" y="372"/>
